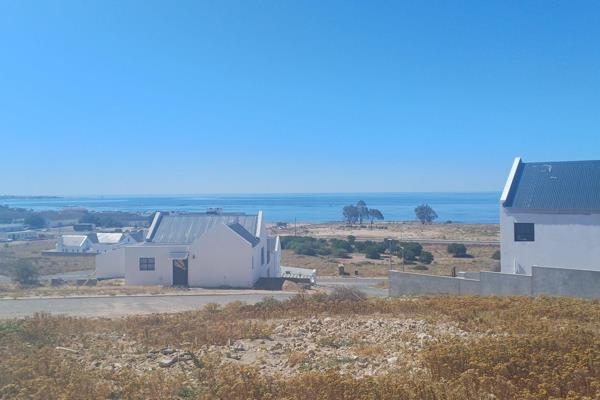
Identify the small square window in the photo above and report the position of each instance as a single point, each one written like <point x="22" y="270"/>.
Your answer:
<point x="524" y="232"/>
<point x="147" y="264"/>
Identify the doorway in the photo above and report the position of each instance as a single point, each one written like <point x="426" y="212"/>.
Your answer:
<point x="180" y="272"/>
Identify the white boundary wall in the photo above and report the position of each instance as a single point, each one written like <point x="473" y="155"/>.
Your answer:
<point x="542" y="281"/>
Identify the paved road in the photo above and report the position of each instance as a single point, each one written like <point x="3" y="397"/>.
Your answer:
<point x="122" y="305"/>
<point x="126" y="305"/>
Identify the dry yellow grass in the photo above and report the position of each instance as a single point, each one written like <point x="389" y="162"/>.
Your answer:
<point x="517" y="348"/>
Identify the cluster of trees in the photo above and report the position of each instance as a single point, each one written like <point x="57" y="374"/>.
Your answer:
<point x="339" y="248"/>
<point x="359" y="212"/>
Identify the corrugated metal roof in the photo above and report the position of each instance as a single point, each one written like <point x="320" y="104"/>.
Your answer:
<point x="563" y="185"/>
<point x="73" y="240"/>
<point x="185" y="228"/>
<point x="109" y="238"/>
<point x="240" y="230"/>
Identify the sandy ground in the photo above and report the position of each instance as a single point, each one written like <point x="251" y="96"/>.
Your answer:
<point x="397" y="230"/>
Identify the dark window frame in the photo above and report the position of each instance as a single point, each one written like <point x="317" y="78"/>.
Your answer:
<point x="524" y="232"/>
<point x="147" y="264"/>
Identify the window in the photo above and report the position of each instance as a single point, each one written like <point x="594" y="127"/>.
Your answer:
<point x="262" y="256"/>
<point x="524" y="232"/>
<point x="147" y="264"/>
<point x="268" y="257"/>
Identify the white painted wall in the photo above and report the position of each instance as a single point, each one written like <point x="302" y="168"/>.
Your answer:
<point x="163" y="273"/>
<point x="111" y="264"/>
<point x="561" y="240"/>
<point x="221" y="257"/>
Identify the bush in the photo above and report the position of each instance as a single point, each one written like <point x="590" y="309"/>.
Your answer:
<point x="372" y="253"/>
<point x="421" y="267"/>
<point x="496" y="255"/>
<point x="339" y="253"/>
<point x="351" y="239"/>
<point x="341" y="244"/>
<point x="35" y="221"/>
<point x="457" y="249"/>
<point x="24" y="273"/>
<point x="426" y="257"/>
<point x="347" y="293"/>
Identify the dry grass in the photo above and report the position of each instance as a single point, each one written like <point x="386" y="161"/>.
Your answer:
<point x="32" y="251"/>
<point x="517" y="348"/>
<point x="397" y="230"/>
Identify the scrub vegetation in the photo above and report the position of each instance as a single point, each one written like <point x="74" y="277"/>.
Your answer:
<point x="443" y="348"/>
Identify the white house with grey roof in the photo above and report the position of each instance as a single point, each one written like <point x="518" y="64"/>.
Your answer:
<point x="213" y="249"/>
<point x="550" y="216"/>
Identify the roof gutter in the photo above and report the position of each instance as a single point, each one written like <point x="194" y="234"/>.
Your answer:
<point x="510" y="180"/>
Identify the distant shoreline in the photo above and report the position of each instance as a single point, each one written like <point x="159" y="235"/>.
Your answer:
<point x="17" y="197"/>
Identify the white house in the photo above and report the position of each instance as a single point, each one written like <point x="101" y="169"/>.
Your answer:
<point x="73" y="244"/>
<point x="211" y="249"/>
<point x="550" y="216"/>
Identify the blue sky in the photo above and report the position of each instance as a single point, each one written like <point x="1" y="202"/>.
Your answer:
<point x="158" y="97"/>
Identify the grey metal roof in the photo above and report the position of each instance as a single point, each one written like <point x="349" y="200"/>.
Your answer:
<point x="563" y="185"/>
<point x="185" y="228"/>
<point x="240" y="230"/>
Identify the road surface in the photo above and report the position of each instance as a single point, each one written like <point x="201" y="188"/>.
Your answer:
<point x="115" y="306"/>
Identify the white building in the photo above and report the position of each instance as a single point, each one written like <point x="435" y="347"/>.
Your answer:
<point x="100" y="242"/>
<point x="202" y="250"/>
<point x="550" y="216"/>
<point x="73" y="244"/>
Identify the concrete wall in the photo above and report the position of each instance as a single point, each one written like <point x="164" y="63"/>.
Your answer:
<point x="543" y="281"/>
<point x="565" y="282"/>
<point x="408" y="283"/>
<point x="111" y="264"/>
<point x="554" y="233"/>
<point x="497" y="283"/>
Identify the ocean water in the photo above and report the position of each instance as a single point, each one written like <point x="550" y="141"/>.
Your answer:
<point x="477" y="207"/>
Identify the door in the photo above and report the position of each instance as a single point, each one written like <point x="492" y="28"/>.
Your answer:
<point x="180" y="272"/>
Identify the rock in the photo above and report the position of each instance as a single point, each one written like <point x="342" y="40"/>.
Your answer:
<point x="66" y="349"/>
<point x="166" y="351"/>
<point x="167" y="362"/>
<point x="392" y="360"/>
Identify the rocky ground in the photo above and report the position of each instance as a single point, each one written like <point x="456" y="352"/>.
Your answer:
<point x="361" y="346"/>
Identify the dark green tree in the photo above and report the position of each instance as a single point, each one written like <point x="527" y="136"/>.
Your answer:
<point x="35" y="221"/>
<point x="425" y="213"/>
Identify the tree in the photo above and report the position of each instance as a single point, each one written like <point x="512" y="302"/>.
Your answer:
<point x="372" y="253"/>
<point x="425" y="213"/>
<point x="363" y="211"/>
<point x="374" y="213"/>
<point x="351" y="239"/>
<point x="351" y="214"/>
<point x="24" y="273"/>
<point x="457" y="249"/>
<point x="35" y="221"/>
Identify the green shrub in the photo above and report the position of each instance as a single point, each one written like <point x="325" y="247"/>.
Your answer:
<point x="421" y="267"/>
<point x="339" y="253"/>
<point x="426" y="257"/>
<point x="496" y="255"/>
<point x="24" y="273"/>
<point x="457" y="249"/>
<point x="372" y="253"/>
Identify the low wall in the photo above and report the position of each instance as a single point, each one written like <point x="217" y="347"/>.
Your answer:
<point x="542" y="281"/>
<point x="565" y="282"/>
<point x="498" y="283"/>
<point x="408" y="283"/>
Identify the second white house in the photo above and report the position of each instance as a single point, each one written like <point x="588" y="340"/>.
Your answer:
<point x="212" y="249"/>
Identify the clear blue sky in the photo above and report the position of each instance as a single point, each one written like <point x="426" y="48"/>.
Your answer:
<point x="162" y="97"/>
